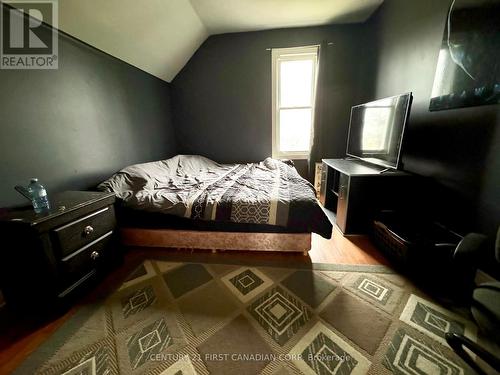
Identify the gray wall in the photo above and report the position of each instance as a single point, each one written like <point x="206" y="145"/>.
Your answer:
<point x="459" y="149"/>
<point x="75" y="126"/>
<point x="222" y="97"/>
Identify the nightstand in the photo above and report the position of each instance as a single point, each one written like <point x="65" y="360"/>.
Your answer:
<point x="47" y="257"/>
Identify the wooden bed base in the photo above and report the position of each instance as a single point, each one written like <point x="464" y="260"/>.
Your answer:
<point x="214" y="241"/>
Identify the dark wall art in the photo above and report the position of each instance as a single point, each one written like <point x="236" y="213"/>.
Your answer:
<point x="468" y="67"/>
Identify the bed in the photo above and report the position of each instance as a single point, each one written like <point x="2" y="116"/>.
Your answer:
<point x="189" y="201"/>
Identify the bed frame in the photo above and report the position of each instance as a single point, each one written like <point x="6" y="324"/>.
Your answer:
<point x="191" y="239"/>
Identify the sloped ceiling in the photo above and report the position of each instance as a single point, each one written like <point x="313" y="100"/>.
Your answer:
<point x="159" y="36"/>
<point x="225" y="16"/>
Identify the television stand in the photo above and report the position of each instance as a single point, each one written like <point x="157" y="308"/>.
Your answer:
<point x="352" y="192"/>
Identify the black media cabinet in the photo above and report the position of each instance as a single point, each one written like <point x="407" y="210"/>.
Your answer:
<point x="352" y="193"/>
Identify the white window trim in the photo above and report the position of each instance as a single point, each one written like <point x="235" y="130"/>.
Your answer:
<point x="294" y="53"/>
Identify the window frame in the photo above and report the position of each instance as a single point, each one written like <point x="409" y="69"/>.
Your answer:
<point x="291" y="54"/>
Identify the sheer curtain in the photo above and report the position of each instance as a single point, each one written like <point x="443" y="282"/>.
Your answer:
<point x="316" y="148"/>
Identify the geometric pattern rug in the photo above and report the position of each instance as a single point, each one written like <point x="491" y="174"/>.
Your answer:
<point x="193" y="318"/>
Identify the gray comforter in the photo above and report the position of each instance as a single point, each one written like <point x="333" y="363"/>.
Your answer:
<point x="270" y="192"/>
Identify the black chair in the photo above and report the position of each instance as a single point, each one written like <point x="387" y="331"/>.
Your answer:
<point x="485" y="304"/>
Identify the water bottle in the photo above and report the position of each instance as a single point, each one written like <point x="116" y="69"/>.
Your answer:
<point x="38" y="196"/>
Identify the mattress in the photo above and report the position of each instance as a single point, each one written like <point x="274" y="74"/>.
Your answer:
<point x="193" y="192"/>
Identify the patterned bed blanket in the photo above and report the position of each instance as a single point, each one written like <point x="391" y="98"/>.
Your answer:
<point x="270" y="192"/>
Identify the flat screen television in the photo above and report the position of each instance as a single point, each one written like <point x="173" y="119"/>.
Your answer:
<point x="376" y="130"/>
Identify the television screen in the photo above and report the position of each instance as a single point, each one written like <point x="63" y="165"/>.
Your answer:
<point x="376" y="130"/>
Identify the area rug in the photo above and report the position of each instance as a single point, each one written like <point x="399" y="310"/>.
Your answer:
<point x="193" y="318"/>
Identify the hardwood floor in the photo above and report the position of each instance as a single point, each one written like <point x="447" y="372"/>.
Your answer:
<point x="23" y="337"/>
<point x="344" y="250"/>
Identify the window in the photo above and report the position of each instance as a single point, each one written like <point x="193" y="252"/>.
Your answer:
<point x="294" y="88"/>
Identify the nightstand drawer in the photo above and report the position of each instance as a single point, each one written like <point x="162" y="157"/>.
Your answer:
<point x="86" y="258"/>
<point x="80" y="232"/>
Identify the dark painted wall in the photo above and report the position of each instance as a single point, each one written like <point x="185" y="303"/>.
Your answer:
<point x="75" y="126"/>
<point x="458" y="149"/>
<point x="222" y="97"/>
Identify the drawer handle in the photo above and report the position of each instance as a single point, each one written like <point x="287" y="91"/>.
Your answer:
<point x="94" y="255"/>
<point x="88" y="230"/>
